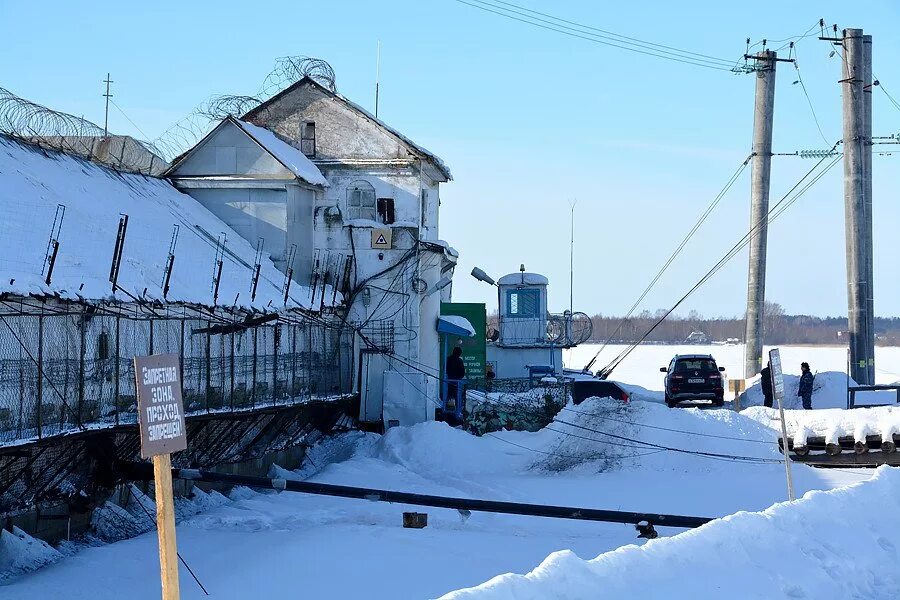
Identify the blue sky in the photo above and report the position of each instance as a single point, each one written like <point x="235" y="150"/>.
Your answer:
<point x="528" y="120"/>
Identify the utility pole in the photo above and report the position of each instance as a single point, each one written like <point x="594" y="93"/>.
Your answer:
<point x="107" y="95"/>
<point x="572" y="261"/>
<point x="858" y="229"/>
<point x="760" y="169"/>
<point x="867" y="190"/>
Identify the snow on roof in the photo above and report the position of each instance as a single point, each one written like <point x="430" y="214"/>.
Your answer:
<point x="420" y="149"/>
<point x="286" y="154"/>
<point x="523" y="279"/>
<point x="34" y="181"/>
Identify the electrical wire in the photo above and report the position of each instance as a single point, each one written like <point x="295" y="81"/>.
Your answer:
<point x="712" y="205"/>
<point x="683" y="431"/>
<point x="559" y="26"/>
<point x="808" y="100"/>
<point x="774" y="212"/>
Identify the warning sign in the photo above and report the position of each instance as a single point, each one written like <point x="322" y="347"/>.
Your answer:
<point x="381" y="239"/>
<point x="160" y="408"/>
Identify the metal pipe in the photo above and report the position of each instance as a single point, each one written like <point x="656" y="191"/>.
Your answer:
<point x="377" y="495"/>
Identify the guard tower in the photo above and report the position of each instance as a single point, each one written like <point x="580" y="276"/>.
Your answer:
<point x="523" y="310"/>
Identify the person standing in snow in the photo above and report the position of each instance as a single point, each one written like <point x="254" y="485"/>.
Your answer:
<point x="806" y="386"/>
<point x="766" y="383"/>
<point x="455" y="371"/>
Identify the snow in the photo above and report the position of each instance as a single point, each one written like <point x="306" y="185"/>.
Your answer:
<point x="461" y="322"/>
<point x="281" y="544"/>
<point x="21" y="553"/>
<point x="829" y="391"/>
<point x="290" y="157"/>
<point x="831" y="423"/>
<point x="793" y="550"/>
<point x="33" y="182"/>
<point x="522" y="279"/>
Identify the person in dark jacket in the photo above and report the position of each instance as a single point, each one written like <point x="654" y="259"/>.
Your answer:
<point x="766" y="383"/>
<point x="454" y="370"/>
<point x="806" y="386"/>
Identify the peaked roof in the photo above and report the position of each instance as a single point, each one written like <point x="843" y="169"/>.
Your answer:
<point x="293" y="159"/>
<point x="424" y="152"/>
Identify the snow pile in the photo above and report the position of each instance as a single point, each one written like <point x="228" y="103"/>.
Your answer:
<point x="796" y="550"/>
<point x="33" y="182"/>
<point x="829" y="391"/>
<point x="20" y="553"/>
<point x="831" y="423"/>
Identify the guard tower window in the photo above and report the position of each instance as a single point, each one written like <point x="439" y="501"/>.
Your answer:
<point x="385" y="210"/>
<point x="523" y="304"/>
<point x="308" y="139"/>
<point x="361" y="201"/>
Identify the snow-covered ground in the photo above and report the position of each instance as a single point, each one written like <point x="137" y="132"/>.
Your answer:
<point x="642" y="366"/>
<point x="285" y="544"/>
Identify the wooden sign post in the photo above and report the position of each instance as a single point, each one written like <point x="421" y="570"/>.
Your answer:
<point x="161" y="419"/>
<point x="778" y="390"/>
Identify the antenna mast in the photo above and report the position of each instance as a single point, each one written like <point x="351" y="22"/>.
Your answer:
<point x="377" y="75"/>
<point x="572" y="260"/>
<point x="107" y="95"/>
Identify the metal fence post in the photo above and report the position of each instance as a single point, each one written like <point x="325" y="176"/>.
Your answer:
<point x="253" y="393"/>
<point x="81" y="374"/>
<point x="40" y="375"/>
<point x="293" y="361"/>
<point x="208" y="365"/>
<point x="232" y="370"/>
<point x="276" y="340"/>
<point x="116" y="391"/>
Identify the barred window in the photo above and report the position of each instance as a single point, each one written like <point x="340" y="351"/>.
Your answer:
<point x="361" y="201"/>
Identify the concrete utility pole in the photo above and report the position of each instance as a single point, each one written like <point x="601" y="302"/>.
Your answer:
<point x="858" y="228"/>
<point x="867" y="189"/>
<point x="760" y="169"/>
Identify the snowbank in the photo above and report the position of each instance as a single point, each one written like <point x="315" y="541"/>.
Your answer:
<point x="829" y="391"/>
<point x="796" y="550"/>
<point x="20" y="553"/>
<point x="830" y="423"/>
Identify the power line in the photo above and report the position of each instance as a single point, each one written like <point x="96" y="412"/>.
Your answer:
<point x="683" y="431"/>
<point x="559" y="26"/>
<point x="712" y="205"/>
<point x="774" y="212"/>
<point x="734" y="457"/>
<point x="119" y="108"/>
<point x="806" y="93"/>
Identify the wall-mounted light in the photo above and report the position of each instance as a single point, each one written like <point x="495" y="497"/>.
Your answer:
<point x="482" y="276"/>
<point x="441" y="284"/>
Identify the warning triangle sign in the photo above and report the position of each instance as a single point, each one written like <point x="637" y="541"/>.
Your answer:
<point x="381" y="241"/>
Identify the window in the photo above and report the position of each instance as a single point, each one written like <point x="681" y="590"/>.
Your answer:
<point x="698" y="364"/>
<point x="308" y="139"/>
<point x="523" y="304"/>
<point x="361" y="201"/>
<point x="103" y="346"/>
<point x="385" y="210"/>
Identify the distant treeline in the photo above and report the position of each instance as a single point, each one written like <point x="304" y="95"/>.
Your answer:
<point x="779" y="328"/>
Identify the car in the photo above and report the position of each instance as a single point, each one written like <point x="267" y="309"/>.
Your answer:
<point x="694" y="377"/>
<point x="582" y="389"/>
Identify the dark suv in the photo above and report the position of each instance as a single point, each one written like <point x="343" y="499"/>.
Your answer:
<point x="694" y="377"/>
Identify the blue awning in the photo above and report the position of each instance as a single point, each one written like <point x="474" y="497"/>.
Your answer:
<point x="455" y="325"/>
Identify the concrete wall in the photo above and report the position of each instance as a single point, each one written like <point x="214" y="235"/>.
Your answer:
<point x="341" y="132"/>
<point x="230" y="151"/>
<point x="510" y="363"/>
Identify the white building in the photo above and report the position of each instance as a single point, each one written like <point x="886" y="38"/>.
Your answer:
<point x="341" y="198"/>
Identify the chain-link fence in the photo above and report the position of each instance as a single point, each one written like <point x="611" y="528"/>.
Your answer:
<point x="71" y="368"/>
<point x="518" y="404"/>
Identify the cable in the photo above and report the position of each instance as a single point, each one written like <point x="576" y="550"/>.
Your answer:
<point x="733" y="457"/>
<point x="707" y="435"/>
<point x="774" y="212"/>
<point x="181" y="558"/>
<point x="808" y="100"/>
<point x="119" y="108"/>
<point x="596" y="38"/>
<point x="673" y="256"/>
